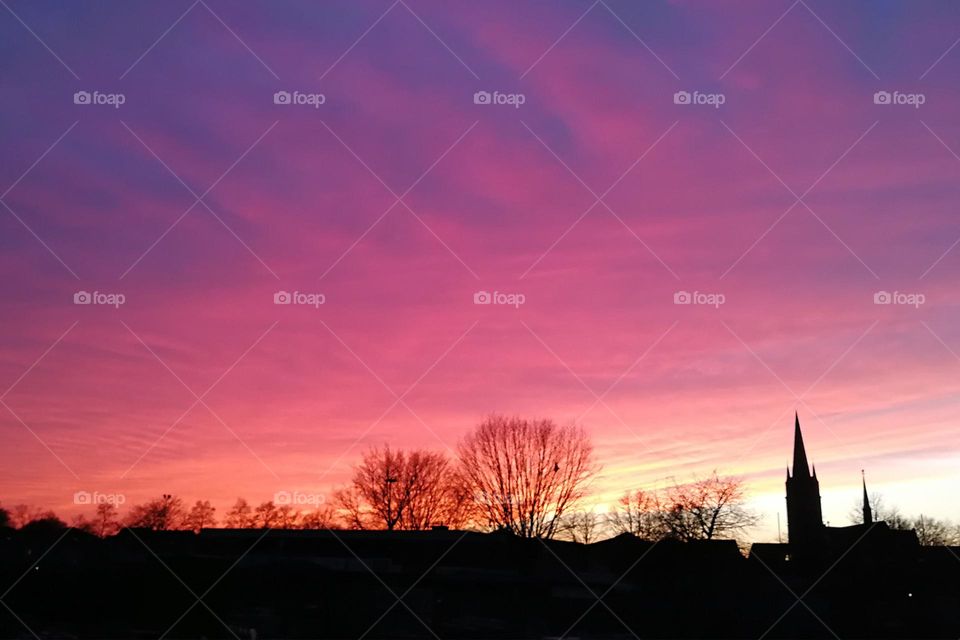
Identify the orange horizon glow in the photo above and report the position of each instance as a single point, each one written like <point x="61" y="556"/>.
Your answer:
<point x="201" y="386"/>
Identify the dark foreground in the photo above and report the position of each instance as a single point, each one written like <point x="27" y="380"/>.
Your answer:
<point x="449" y="584"/>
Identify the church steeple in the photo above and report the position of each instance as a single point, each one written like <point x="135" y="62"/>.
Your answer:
<point x="804" y="516"/>
<point x="867" y="511"/>
<point x="799" y="452"/>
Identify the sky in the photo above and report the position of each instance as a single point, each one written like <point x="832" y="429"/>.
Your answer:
<point x="673" y="223"/>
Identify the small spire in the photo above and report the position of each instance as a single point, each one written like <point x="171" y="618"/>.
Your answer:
<point x="867" y="511"/>
<point x="799" y="452"/>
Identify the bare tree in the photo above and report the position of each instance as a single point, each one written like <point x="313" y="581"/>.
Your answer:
<point x="351" y="507"/>
<point x="43" y="524"/>
<point x="525" y="474"/>
<point x="105" y="522"/>
<point x="707" y="508"/>
<point x="393" y="489"/>
<point x="434" y="494"/>
<point x="896" y="520"/>
<point x="878" y="507"/>
<point x="933" y="532"/>
<point x="201" y="516"/>
<point x="581" y="526"/>
<point x="81" y="523"/>
<point x="159" y="514"/>
<point x="324" y="517"/>
<point x="376" y="501"/>
<point x="23" y="514"/>
<point x="930" y="531"/>
<point x="457" y="508"/>
<point x="266" y="516"/>
<point x="638" y="513"/>
<point x="240" y="516"/>
<point x="287" y="517"/>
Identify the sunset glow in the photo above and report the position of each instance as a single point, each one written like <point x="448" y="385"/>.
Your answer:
<point x="584" y="211"/>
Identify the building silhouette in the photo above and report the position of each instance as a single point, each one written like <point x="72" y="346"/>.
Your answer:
<point x="804" y="514"/>
<point x="809" y="539"/>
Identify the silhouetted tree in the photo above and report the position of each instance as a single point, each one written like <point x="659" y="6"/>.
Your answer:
<point x="394" y="489"/>
<point x="160" y="514"/>
<point x="105" y="522"/>
<point x="5" y="521"/>
<point x="896" y="520"/>
<point x="349" y="501"/>
<point x="45" y="524"/>
<point x="933" y="532"/>
<point x="266" y="515"/>
<point x="930" y="531"/>
<point x="581" y="526"/>
<point x="373" y="500"/>
<point x="638" y="513"/>
<point x="707" y="508"/>
<point x="434" y="493"/>
<point x="22" y="514"/>
<point x="80" y="523"/>
<point x="240" y="516"/>
<point x="287" y="517"/>
<point x="201" y="516"/>
<point x="525" y="474"/>
<point x="323" y="517"/>
<point x="889" y="514"/>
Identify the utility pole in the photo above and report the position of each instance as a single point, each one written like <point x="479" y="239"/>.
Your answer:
<point x="390" y="482"/>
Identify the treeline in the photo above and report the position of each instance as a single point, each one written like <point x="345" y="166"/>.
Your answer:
<point x="930" y="531"/>
<point x="528" y="477"/>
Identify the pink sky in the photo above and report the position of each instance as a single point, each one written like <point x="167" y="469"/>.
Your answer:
<point x="495" y="203"/>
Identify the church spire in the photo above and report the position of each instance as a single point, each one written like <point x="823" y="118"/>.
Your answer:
<point x="804" y="514"/>
<point x="799" y="452"/>
<point x="867" y="511"/>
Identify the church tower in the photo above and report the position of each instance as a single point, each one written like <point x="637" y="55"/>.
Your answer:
<point x="804" y="517"/>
